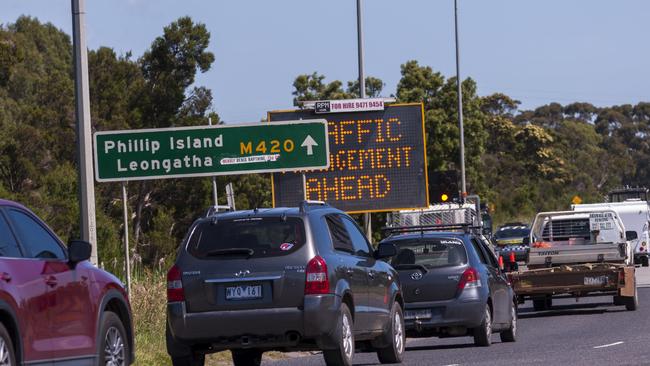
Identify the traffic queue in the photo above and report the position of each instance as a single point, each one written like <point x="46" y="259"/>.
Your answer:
<point x="306" y="278"/>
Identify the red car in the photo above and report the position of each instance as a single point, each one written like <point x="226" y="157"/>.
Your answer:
<point x="55" y="307"/>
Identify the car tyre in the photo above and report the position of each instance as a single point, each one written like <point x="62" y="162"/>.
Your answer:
<point x="644" y="261"/>
<point x="342" y="355"/>
<point x="510" y="334"/>
<point x="542" y="303"/>
<point x="483" y="334"/>
<point x="113" y="342"/>
<point x="7" y="351"/>
<point x="395" y="350"/>
<point x="247" y="357"/>
<point x="181" y="354"/>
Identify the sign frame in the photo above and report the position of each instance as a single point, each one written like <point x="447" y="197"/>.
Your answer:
<point x="210" y="174"/>
<point x="386" y="105"/>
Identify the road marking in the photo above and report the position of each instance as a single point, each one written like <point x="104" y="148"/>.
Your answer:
<point x="609" y="345"/>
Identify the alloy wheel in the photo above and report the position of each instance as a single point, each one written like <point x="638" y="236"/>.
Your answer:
<point x="5" y="360"/>
<point x="114" y="348"/>
<point x="399" y="333"/>
<point x="347" y="337"/>
<point x="488" y="322"/>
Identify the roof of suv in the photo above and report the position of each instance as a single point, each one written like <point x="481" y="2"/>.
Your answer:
<point x="270" y="212"/>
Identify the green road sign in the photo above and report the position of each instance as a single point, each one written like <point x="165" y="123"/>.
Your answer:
<point x="211" y="150"/>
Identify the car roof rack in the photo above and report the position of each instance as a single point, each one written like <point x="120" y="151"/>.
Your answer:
<point x="311" y="204"/>
<point x="215" y="209"/>
<point x="467" y="228"/>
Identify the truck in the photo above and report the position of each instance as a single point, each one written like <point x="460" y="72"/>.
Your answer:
<point x="577" y="254"/>
<point x="635" y="215"/>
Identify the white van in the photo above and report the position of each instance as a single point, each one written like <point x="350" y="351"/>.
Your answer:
<point x="635" y="215"/>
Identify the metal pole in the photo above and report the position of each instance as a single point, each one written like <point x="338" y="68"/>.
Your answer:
<point x="367" y="223"/>
<point x="362" y="80"/>
<point x="214" y="179"/>
<point x="460" y="109"/>
<point x="127" y="260"/>
<point x="84" y="142"/>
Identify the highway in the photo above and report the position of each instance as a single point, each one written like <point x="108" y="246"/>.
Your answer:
<point x="590" y="332"/>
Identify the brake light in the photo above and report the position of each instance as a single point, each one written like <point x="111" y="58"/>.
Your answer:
<point x="469" y="279"/>
<point x="316" y="278"/>
<point x="174" y="285"/>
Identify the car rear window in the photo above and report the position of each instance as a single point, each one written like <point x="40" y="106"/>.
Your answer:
<point x="255" y="237"/>
<point x="511" y="233"/>
<point x="429" y="252"/>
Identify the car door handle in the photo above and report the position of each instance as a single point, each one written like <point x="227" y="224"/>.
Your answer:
<point x="5" y="276"/>
<point x="349" y="271"/>
<point x="372" y="274"/>
<point x="51" y="281"/>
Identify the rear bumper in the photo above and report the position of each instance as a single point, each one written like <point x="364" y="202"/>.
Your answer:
<point x="275" y="328"/>
<point x="445" y="314"/>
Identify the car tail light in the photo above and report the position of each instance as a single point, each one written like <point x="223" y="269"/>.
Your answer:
<point x="174" y="285"/>
<point x="316" y="278"/>
<point x="469" y="279"/>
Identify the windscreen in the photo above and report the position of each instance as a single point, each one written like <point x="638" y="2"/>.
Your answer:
<point x="511" y="233"/>
<point x="428" y="252"/>
<point x="250" y="238"/>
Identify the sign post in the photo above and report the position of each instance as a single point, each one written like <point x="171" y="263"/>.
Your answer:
<point x="127" y="260"/>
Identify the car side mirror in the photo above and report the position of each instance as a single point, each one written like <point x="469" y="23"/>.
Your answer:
<point x="385" y="250"/>
<point x="526" y="240"/>
<point x="78" y="251"/>
<point x="631" y="235"/>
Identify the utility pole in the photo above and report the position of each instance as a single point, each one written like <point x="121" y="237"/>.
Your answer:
<point x="460" y="109"/>
<point x="367" y="223"/>
<point x="84" y="143"/>
<point x="362" y="80"/>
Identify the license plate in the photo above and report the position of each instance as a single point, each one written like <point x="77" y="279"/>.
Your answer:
<point x="244" y="292"/>
<point x="418" y="314"/>
<point x="596" y="281"/>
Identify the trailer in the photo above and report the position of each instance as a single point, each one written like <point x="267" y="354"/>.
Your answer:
<point x="577" y="254"/>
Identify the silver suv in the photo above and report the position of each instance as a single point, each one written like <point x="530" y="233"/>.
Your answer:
<point x="282" y="279"/>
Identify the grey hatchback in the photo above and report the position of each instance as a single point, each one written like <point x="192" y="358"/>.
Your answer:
<point x="282" y="279"/>
<point x="453" y="285"/>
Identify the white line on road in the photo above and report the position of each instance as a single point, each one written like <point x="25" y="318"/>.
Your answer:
<point x="609" y="345"/>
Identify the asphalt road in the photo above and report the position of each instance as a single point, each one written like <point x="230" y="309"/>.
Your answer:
<point x="590" y="332"/>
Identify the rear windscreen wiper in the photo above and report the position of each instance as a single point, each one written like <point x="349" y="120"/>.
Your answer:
<point x="411" y="266"/>
<point x="230" y="251"/>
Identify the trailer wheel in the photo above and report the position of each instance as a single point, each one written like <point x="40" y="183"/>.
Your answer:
<point x="542" y="303"/>
<point x="631" y="303"/>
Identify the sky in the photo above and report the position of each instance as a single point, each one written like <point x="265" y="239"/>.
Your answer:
<point x="534" y="51"/>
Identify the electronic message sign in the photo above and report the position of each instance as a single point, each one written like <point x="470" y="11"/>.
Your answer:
<point x="377" y="161"/>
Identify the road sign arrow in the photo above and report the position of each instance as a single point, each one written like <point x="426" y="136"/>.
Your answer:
<point x="309" y="143"/>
